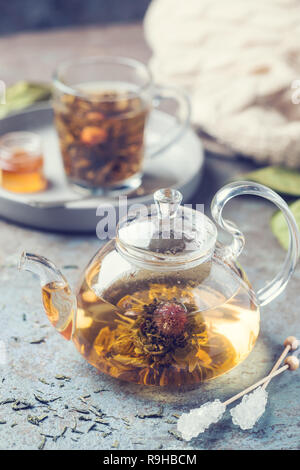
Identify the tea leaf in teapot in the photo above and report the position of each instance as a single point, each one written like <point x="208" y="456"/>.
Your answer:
<point x="279" y="179"/>
<point x="279" y="226"/>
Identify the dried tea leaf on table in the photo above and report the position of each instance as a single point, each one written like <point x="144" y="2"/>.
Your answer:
<point x="279" y="225"/>
<point x="279" y="179"/>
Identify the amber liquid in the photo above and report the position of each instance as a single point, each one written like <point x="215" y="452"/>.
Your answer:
<point x="58" y="303"/>
<point x="22" y="174"/>
<point x="110" y="331"/>
<point x="102" y="138"/>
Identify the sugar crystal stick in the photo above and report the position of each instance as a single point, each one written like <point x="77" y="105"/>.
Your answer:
<point x="253" y="405"/>
<point x="198" y="420"/>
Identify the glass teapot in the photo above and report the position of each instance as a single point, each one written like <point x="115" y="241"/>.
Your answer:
<point x="165" y="303"/>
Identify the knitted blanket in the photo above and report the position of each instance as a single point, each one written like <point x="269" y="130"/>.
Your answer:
<point x="240" y="62"/>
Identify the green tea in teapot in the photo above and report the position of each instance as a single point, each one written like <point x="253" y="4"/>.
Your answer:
<point x="164" y="302"/>
<point x="159" y="330"/>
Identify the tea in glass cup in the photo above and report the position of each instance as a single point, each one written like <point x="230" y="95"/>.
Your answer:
<point x="101" y="107"/>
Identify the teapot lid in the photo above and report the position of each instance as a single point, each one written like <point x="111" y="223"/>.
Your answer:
<point x="167" y="235"/>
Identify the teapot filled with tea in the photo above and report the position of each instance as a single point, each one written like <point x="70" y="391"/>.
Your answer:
<point x="164" y="302"/>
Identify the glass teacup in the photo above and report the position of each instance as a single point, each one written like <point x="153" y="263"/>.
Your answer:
<point x="101" y="107"/>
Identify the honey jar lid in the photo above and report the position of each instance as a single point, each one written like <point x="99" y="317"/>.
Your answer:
<point x="167" y="235"/>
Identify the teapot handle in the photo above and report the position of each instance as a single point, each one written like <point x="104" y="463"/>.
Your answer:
<point x="273" y="288"/>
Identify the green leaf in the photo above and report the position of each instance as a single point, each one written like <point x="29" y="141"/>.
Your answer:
<point x="280" y="179"/>
<point x="279" y="226"/>
<point x="24" y="94"/>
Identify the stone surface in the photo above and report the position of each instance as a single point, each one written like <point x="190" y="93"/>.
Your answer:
<point x="39" y="361"/>
<point x="36" y="55"/>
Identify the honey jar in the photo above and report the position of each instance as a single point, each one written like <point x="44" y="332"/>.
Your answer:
<point x="21" y="163"/>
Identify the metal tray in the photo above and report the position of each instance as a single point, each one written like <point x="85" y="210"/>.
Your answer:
<point x="179" y="166"/>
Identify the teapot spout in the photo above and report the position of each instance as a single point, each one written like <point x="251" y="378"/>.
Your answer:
<point x="58" y="299"/>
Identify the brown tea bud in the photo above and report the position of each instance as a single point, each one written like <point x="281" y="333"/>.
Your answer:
<point x="95" y="116"/>
<point x="93" y="135"/>
<point x="170" y="318"/>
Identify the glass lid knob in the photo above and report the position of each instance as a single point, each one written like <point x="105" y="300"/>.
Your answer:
<point x="167" y="202"/>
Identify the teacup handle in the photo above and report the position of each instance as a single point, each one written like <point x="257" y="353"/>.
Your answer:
<point x="273" y="288"/>
<point x="183" y="116"/>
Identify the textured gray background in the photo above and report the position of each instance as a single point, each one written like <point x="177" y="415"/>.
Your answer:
<point x="135" y="417"/>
